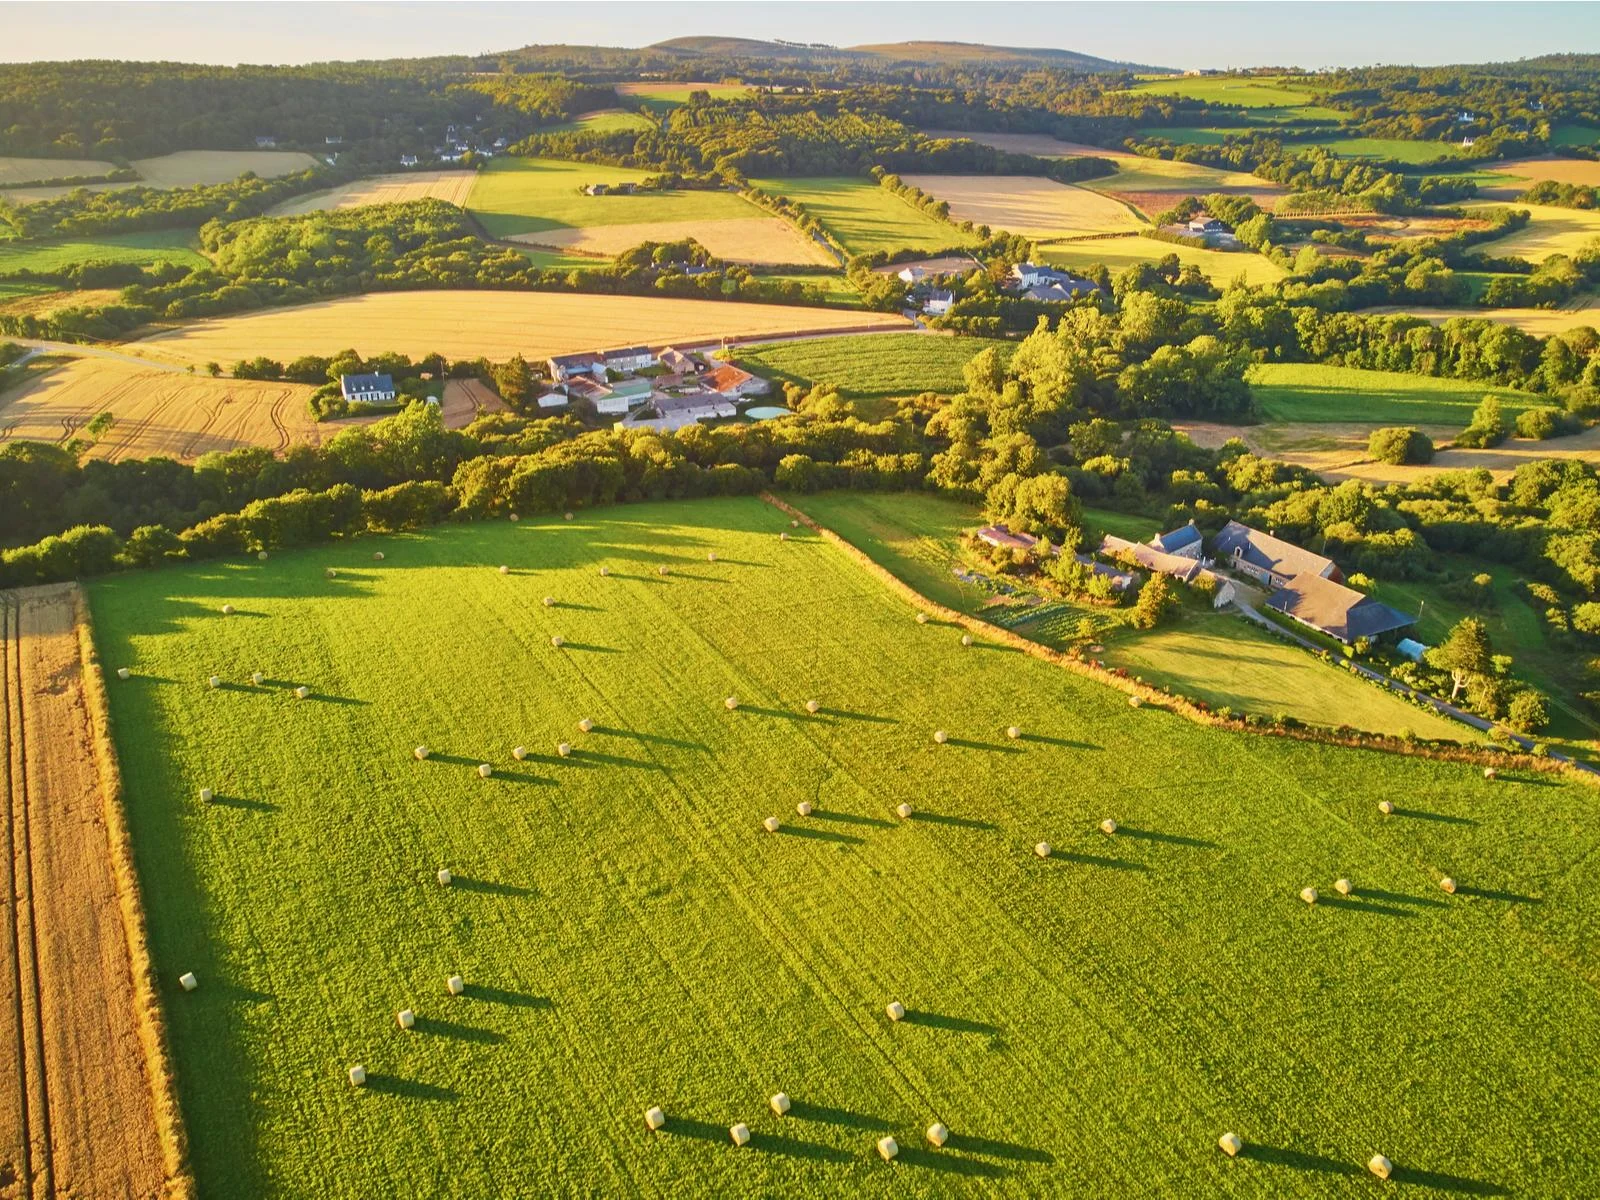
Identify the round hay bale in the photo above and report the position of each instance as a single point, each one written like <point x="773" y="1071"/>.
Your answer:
<point x="711" y="556"/>
<point x="302" y="692"/>
<point x="358" y="1076"/>
<point x="214" y="681"/>
<point x="262" y="556"/>
<point x="772" y="825"/>
<point x="420" y="753"/>
<point x="1386" y="807"/>
<point x="455" y="985"/>
<point x="1449" y="885"/>
<point x="567" y="516"/>
<point x="938" y="1134"/>
<point x="780" y="1103"/>
<point x="922" y="618"/>
<point x="1042" y="849"/>
<point x="731" y="703"/>
<point x="206" y="795"/>
<point x="1309" y="895"/>
<point x="1108" y="826"/>
<point x="505" y="570"/>
<point x="485" y="770"/>
<point x="1230" y="1144"/>
<point x="1013" y="732"/>
<point x="1134" y="702"/>
<point x="564" y="749"/>
<point x="604" y="571"/>
<point x="803" y="808"/>
<point x="549" y="601"/>
<point x="405" y="1018"/>
<point x="331" y="573"/>
<point x="654" y="1118"/>
<point x="519" y="752"/>
<point x="740" y="1133"/>
<point x="558" y="641"/>
<point x="663" y="571"/>
<point x="940" y="736"/>
<point x="895" y="1010"/>
<point x="446" y="877"/>
<point x="514" y="517"/>
<point x="257" y="678"/>
<point x="227" y="610"/>
<point x="124" y="673"/>
<point x="377" y="556"/>
<point x="1343" y="887"/>
<point x="188" y="982"/>
<point x="887" y="1148"/>
<point x="813" y="706"/>
<point x="1380" y="1166"/>
<point x="903" y="811"/>
<point x="783" y="537"/>
<point x="585" y="724"/>
<point x="966" y="639"/>
<point x="1489" y="774"/>
<point x="794" y="524"/>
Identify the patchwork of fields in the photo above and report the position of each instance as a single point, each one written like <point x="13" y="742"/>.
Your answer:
<point x="1221" y="266"/>
<point x="452" y="187"/>
<point x="186" y="168"/>
<point x="541" y="202"/>
<point x="156" y="412"/>
<point x="1028" y="204"/>
<point x="866" y="217"/>
<point x="629" y="936"/>
<point x="492" y="324"/>
<point x="1154" y="185"/>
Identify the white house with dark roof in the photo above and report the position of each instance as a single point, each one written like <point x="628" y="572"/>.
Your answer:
<point x="567" y="366"/>
<point x="630" y="358"/>
<point x="367" y="389"/>
<point x="938" y="303"/>
<point x="1270" y="559"/>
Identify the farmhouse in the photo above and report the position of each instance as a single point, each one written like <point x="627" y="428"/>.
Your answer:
<point x="367" y="389"/>
<point x="1269" y="559"/>
<point x="911" y="275"/>
<point x="1184" y="570"/>
<point x="999" y="535"/>
<point x="1336" y="610"/>
<point x="938" y="303"/>
<point x="1206" y="226"/>
<point x="630" y="358"/>
<point x="677" y="362"/>
<point x="408" y="160"/>
<point x="1027" y="276"/>
<point x="567" y="366"/>
<point x="1184" y="541"/>
<point x="730" y="381"/>
<point x="266" y="143"/>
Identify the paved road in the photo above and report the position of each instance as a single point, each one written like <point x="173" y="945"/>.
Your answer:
<point x="75" y="350"/>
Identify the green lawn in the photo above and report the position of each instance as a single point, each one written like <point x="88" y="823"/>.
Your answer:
<point x="1234" y="91"/>
<point x="1574" y="133"/>
<point x="533" y="195"/>
<point x="562" y="260"/>
<point x="53" y="254"/>
<point x="1403" y="150"/>
<point x="1314" y="392"/>
<point x="870" y="366"/>
<point x="663" y="97"/>
<point x="1222" y="267"/>
<point x="836" y="290"/>
<point x="1086" y="1024"/>
<point x="866" y="217"/>
<point x="607" y="120"/>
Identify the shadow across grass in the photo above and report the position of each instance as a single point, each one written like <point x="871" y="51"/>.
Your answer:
<point x="846" y="714"/>
<point x="1493" y="894"/>
<point x="1441" y="1182"/>
<point x="457" y="1031"/>
<point x="413" y="1089"/>
<point x="244" y="802"/>
<point x="933" y="1020"/>
<point x="801" y="1110"/>
<point x="494" y="995"/>
<point x="488" y="887"/>
<point x="1356" y="904"/>
<point x="590" y="648"/>
<point x="850" y="818"/>
<point x="654" y="739"/>
<point x="1442" y="818"/>
<point x="1170" y="839"/>
<point x="992" y="747"/>
<point x="968" y="1143"/>
<point x="947" y="819"/>
<point x="821" y="835"/>
<point x="596" y="758"/>
<point x="1058" y="741"/>
<point x="768" y="1143"/>
<point x="953" y="1164"/>
<point x="1300" y="1160"/>
<point x="690" y="1127"/>
<point x="1398" y="898"/>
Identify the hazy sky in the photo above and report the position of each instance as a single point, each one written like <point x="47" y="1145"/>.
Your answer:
<point x="1308" y="33"/>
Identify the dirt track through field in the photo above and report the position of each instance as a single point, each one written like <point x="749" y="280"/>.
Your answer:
<point x="78" y="1117"/>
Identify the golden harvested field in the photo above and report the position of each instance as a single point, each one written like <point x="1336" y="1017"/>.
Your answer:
<point x="755" y="240"/>
<point x="187" y="168"/>
<point x="465" y="400"/>
<point x="1119" y="253"/>
<point x="1527" y="171"/>
<point x="1541" y="322"/>
<point x="494" y="324"/>
<point x="1153" y="185"/>
<point x="450" y="186"/>
<point x="24" y="170"/>
<point x="42" y="304"/>
<point x="158" y="412"/>
<point x="1028" y="204"/>
<point x="1551" y="230"/>
<point x="1040" y="145"/>
<point x="79" y="1111"/>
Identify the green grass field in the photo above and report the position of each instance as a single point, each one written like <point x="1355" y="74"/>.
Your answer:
<point x="562" y="260"/>
<point x="1221" y="266"/>
<point x="1314" y="392"/>
<point x="870" y="366"/>
<point x="607" y="120"/>
<point x="866" y="217"/>
<point x="1403" y="150"/>
<point x="663" y="97"/>
<point x="1574" y="133"/>
<point x="1237" y="91"/>
<point x="534" y="195"/>
<point x="53" y="254"/>
<point x="1218" y="658"/>
<point x="836" y="289"/>
<point x="1086" y="1024"/>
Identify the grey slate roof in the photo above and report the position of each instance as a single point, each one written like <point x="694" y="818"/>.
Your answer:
<point x="1269" y="553"/>
<point x="1177" y="539"/>
<point x="1335" y="609"/>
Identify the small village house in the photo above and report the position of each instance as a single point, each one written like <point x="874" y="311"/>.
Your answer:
<point x="566" y="366"/>
<point x="732" y="382"/>
<point x="408" y="160"/>
<point x="1269" y="559"/>
<point x="938" y="303"/>
<point x="1340" y="612"/>
<point x="1185" y="542"/>
<point x="677" y="362"/>
<point x="630" y="358"/>
<point x="367" y="389"/>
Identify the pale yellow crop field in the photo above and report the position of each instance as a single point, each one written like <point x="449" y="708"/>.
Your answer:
<point x="1541" y="322"/>
<point x="186" y="168"/>
<point x="1552" y="230"/>
<point x="14" y="171"/>
<point x="1220" y="266"/>
<point x="451" y="186"/>
<point x="752" y="240"/>
<point x="157" y="412"/>
<point x="497" y="325"/>
<point x="1028" y="204"/>
<point x="1559" y="170"/>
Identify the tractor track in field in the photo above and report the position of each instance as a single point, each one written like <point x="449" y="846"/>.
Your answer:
<point x="278" y="427"/>
<point x="196" y="435"/>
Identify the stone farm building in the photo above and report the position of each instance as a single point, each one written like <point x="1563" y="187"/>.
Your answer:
<point x="1185" y="542"/>
<point x="367" y="389"/>
<point x="1180" y="567"/>
<point x="1340" y="612"/>
<point x="1269" y="559"/>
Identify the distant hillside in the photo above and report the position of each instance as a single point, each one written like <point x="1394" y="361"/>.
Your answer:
<point x="941" y="53"/>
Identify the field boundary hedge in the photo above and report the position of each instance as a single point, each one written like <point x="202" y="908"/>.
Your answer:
<point x="1140" y="694"/>
<point x="180" y="1183"/>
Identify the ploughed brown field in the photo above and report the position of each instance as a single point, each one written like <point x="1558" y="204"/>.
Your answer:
<point x="78" y="1077"/>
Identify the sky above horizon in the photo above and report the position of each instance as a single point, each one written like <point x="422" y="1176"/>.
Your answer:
<point x="1266" y="33"/>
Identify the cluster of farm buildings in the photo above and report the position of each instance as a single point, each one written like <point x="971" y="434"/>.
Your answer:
<point x="1028" y="281"/>
<point x="1305" y="587"/>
